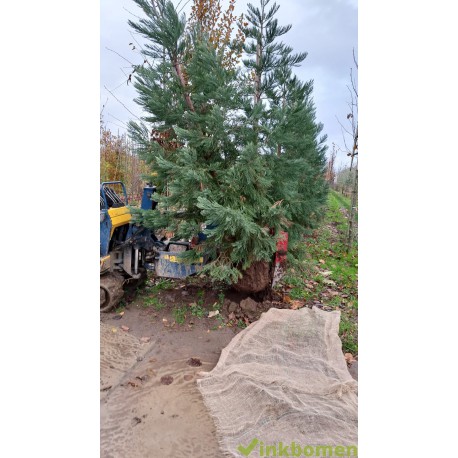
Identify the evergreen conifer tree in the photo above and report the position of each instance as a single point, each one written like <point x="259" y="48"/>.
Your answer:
<point x="243" y="157"/>
<point x="288" y="134"/>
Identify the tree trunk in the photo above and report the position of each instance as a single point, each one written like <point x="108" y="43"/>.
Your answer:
<point x="352" y="218"/>
<point x="180" y="75"/>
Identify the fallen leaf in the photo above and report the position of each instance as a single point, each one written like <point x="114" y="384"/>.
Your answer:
<point x="326" y="281"/>
<point x="213" y="313"/>
<point x="326" y="273"/>
<point x="296" y="304"/>
<point x="125" y="328"/>
<point x="287" y="299"/>
<point x="145" y="339"/>
<point x="349" y="358"/>
<point x="322" y="261"/>
<point x="121" y="313"/>
<point x="194" y="362"/>
<point x="166" y="379"/>
<point x="136" y="421"/>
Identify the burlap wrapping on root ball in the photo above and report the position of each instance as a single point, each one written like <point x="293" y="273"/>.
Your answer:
<point x="283" y="379"/>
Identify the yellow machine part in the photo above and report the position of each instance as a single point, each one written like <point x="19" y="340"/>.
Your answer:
<point x="119" y="217"/>
<point x="105" y="263"/>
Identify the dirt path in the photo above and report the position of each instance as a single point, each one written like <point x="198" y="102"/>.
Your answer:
<point x="141" y="416"/>
<point x="150" y="405"/>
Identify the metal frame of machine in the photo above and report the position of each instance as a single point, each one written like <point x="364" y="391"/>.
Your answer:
<point x="127" y="250"/>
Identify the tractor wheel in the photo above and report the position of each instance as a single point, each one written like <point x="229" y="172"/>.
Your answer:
<point x="111" y="291"/>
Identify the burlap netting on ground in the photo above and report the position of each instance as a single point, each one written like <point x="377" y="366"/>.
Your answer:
<point x="284" y="378"/>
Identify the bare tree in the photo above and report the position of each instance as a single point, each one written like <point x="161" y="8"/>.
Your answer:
<point x="353" y="154"/>
<point x="330" y="169"/>
<point x="351" y="131"/>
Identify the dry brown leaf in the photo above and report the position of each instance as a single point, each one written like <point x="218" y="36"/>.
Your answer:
<point x="296" y="304"/>
<point x="166" y="379"/>
<point x="287" y="299"/>
<point x="322" y="261"/>
<point x="326" y="273"/>
<point x="349" y="358"/>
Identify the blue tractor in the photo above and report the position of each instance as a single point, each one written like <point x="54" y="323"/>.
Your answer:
<point x="128" y="250"/>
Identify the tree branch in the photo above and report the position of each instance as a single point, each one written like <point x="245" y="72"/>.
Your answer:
<point x="133" y="114"/>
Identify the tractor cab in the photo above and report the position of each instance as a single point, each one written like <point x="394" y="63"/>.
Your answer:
<point x="114" y="215"/>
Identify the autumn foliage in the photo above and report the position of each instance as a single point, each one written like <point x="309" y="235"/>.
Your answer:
<point x="118" y="162"/>
<point x="219" y="25"/>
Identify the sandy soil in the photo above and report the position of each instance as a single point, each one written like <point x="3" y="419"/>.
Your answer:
<point x="140" y="415"/>
<point x="149" y="402"/>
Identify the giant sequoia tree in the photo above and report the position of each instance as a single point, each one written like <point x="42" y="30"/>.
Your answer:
<point x="234" y="148"/>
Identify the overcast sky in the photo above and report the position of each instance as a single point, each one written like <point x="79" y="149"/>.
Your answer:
<point x="326" y="29"/>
